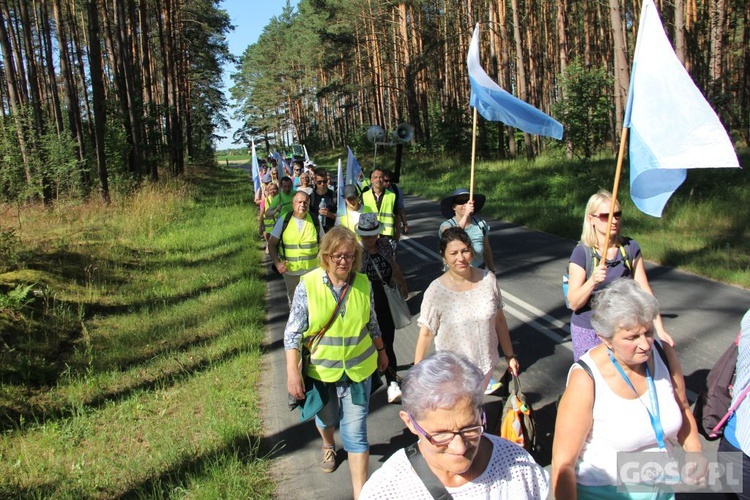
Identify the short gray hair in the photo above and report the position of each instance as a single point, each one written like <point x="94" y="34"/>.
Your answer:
<point x="440" y="382"/>
<point x="623" y="305"/>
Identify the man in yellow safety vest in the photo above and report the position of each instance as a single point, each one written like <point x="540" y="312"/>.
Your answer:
<point x="381" y="201"/>
<point x="293" y="244"/>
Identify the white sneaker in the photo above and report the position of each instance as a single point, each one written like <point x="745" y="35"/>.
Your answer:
<point x="493" y="386"/>
<point x="394" y="393"/>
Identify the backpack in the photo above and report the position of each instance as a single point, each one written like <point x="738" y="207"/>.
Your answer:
<point x="480" y="223"/>
<point x="716" y="397"/>
<point x="657" y="345"/>
<point x="517" y="424"/>
<point x="592" y="260"/>
<point x="284" y="225"/>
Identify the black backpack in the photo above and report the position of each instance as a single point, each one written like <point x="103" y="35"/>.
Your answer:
<point x="592" y="260"/>
<point x="716" y="397"/>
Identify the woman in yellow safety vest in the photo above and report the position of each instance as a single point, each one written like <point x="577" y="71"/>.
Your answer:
<point x="332" y="316"/>
<point x="267" y="214"/>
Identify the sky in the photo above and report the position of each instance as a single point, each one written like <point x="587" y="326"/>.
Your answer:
<point x="249" y="19"/>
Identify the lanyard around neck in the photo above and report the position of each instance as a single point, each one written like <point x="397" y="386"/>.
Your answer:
<point x="653" y="413"/>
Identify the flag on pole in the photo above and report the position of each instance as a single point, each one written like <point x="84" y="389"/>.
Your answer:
<point x="353" y="170"/>
<point x="255" y="169"/>
<point x="340" y="205"/>
<point x="672" y="126"/>
<point x="497" y="105"/>
<point x="307" y="156"/>
<point x="282" y="166"/>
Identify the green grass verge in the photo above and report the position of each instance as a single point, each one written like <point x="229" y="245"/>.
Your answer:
<point x="133" y="371"/>
<point x="705" y="228"/>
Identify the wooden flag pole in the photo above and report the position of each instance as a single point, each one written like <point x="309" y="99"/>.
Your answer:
<point x="473" y="155"/>
<point x="615" y="189"/>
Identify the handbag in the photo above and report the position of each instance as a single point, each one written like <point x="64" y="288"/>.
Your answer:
<point x="396" y="302"/>
<point x="518" y="424"/>
<point x="309" y="347"/>
<point x="398" y="306"/>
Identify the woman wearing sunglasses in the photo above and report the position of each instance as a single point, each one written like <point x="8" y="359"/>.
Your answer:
<point x="442" y="406"/>
<point x="624" y="259"/>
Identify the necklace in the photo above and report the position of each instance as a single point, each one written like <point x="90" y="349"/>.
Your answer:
<point x="458" y="283"/>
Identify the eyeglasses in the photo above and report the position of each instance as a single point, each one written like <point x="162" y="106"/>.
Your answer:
<point x="387" y="181"/>
<point x="444" y="438"/>
<point x="461" y="201"/>
<point x="605" y="217"/>
<point x="338" y="257"/>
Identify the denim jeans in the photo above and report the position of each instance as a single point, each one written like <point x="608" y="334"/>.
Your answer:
<point x="352" y="419"/>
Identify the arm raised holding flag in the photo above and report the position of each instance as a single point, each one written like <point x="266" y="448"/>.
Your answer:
<point x="495" y="104"/>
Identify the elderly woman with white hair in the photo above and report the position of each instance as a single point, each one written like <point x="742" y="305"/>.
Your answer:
<point x="442" y="401"/>
<point x="625" y="395"/>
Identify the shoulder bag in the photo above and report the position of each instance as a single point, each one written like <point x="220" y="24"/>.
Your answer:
<point x="309" y="347"/>
<point x="396" y="303"/>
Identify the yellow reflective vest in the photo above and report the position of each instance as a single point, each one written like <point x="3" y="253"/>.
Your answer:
<point x="285" y="200"/>
<point x="348" y="222"/>
<point x="346" y="347"/>
<point x="269" y="220"/>
<point x="386" y="214"/>
<point x="299" y="248"/>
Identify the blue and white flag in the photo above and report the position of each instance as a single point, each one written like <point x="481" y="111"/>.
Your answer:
<point x="672" y="126"/>
<point x="353" y="170"/>
<point x="340" y="205"/>
<point x="497" y="105"/>
<point x="255" y="169"/>
<point x="282" y="167"/>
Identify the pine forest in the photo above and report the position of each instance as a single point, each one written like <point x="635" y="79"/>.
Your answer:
<point x="125" y="91"/>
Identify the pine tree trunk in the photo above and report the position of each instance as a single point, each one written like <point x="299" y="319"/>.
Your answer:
<point x="97" y="90"/>
<point x="13" y="97"/>
<point x="521" y="71"/>
<point x="622" y="76"/>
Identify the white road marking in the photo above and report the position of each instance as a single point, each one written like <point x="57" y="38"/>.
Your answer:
<point x="424" y="253"/>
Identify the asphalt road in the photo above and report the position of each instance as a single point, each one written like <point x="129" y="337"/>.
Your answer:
<point x="702" y="316"/>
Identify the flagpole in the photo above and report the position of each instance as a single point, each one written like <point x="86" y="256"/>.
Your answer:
<point x="473" y="155"/>
<point x="615" y="189"/>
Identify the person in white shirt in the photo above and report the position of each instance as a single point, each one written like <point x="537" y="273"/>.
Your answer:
<point x="442" y="401"/>
<point x="627" y="394"/>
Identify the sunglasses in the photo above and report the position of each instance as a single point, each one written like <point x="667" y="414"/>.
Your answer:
<point x="461" y="201"/>
<point x="605" y="217"/>
<point x="320" y="182"/>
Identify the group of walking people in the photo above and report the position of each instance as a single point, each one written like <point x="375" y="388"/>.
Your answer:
<point x="625" y="389"/>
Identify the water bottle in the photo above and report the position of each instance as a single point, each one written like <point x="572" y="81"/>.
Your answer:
<point x="321" y="217"/>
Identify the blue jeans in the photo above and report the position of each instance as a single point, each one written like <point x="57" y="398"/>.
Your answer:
<point x="352" y="419"/>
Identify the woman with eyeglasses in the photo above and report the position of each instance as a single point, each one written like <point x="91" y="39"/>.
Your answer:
<point x="304" y="184"/>
<point x="624" y="259"/>
<point x="333" y="316"/>
<point x="442" y="401"/>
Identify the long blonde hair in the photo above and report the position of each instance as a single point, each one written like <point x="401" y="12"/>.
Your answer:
<point x="588" y="233"/>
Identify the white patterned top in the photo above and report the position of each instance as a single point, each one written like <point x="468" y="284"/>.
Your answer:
<point x="464" y="322"/>
<point x="510" y="474"/>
